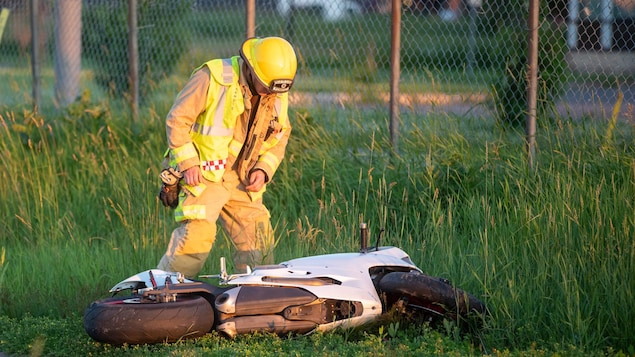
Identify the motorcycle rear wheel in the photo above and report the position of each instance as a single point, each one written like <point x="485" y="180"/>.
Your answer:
<point x="120" y="320"/>
<point x="429" y="297"/>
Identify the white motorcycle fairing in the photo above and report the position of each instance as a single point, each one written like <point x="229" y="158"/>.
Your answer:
<point x="339" y="281"/>
<point x="334" y="277"/>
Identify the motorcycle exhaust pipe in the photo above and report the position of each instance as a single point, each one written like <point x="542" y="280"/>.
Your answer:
<point x="264" y="323"/>
<point x="260" y="300"/>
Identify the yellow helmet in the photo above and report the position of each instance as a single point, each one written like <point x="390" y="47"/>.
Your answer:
<point x="272" y="60"/>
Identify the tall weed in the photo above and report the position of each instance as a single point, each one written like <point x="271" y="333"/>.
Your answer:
<point x="549" y="251"/>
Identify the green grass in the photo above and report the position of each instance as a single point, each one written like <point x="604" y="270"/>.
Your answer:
<point x="64" y="337"/>
<point x="550" y="251"/>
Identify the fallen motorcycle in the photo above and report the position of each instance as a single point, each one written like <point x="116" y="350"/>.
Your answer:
<point x="299" y="296"/>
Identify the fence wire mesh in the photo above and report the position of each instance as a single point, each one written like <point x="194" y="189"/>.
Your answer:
<point x="461" y="56"/>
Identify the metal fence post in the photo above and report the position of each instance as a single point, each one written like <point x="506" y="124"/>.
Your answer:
<point x="35" y="55"/>
<point x="473" y="6"/>
<point x="395" y="69"/>
<point x="133" y="58"/>
<point x="532" y="85"/>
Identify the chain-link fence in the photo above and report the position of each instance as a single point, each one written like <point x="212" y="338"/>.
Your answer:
<point x="460" y="56"/>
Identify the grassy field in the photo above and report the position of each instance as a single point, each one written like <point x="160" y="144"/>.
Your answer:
<point x="550" y="251"/>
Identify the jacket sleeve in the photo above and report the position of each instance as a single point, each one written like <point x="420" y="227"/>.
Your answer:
<point x="274" y="148"/>
<point x="189" y="104"/>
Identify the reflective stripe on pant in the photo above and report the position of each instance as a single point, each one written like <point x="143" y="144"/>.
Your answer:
<point x="246" y="222"/>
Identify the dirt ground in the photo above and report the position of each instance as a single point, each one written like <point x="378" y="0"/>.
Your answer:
<point x="578" y="102"/>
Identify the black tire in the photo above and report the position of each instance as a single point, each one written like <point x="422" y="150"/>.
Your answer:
<point x="434" y="298"/>
<point x="122" y="320"/>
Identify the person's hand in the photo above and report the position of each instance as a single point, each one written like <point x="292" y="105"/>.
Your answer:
<point x="256" y="181"/>
<point x="193" y="176"/>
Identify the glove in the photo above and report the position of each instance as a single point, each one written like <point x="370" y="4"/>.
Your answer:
<point x="169" y="193"/>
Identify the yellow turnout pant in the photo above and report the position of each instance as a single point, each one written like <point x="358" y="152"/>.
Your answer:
<point x="246" y="222"/>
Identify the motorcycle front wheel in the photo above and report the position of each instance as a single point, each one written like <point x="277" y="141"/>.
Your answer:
<point x="130" y="320"/>
<point x="429" y="297"/>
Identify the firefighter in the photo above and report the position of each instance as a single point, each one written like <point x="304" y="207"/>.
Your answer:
<point x="227" y="132"/>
